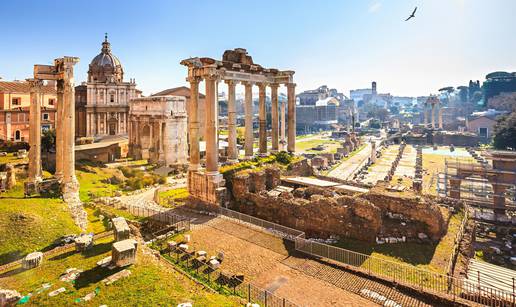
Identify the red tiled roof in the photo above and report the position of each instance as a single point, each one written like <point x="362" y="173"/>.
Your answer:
<point x="177" y="91"/>
<point x="23" y="87"/>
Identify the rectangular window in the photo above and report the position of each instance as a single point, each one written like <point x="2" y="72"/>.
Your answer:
<point x="16" y="101"/>
<point x="51" y="101"/>
<point x="46" y="116"/>
<point x="482" y="132"/>
<point x="112" y="98"/>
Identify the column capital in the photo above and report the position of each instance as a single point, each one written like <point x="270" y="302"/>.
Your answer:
<point x="231" y="82"/>
<point x="247" y="83"/>
<point x="262" y="85"/>
<point x="193" y="79"/>
<point x="290" y="85"/>
<point x="274" y="86"/>
<point x="35" y="84"/>
<point x="211" y="75"/>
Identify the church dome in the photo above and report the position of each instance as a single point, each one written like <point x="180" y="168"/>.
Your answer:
<point x="106" y="67"/>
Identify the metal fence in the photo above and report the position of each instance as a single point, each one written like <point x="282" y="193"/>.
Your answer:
<point x="407" y="275"/>
<point x="253" y="222"/>
<point x="160" y="215"/>
<point x="456" y="243"/>
<point x="225" y="282"/>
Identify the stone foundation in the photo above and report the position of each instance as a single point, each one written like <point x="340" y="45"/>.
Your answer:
<point x="323" y="213"/>
<point x="206" y="187"/>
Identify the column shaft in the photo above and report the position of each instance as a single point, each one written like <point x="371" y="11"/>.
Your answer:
<point x="193" y="124"/>
<point x="274" y="117"/>
<point x="212" y="151"/>
<point x="36" y="98"/>
<point x="232" y="133"/>
<point x="433" y="115"/>
<point x="282" y="125"/>
<point x="59" y="130"/>
<point x="291" y="96"/>
<point x="69" y="133"/>
<point x="249" y="134"/>
<point x="262" y="120"/>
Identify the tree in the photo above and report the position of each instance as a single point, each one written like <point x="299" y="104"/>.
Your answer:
<point x="505" y="132"/>
<point x="48" y="140"/>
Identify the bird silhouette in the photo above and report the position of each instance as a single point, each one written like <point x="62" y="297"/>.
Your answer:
<point x="412" y="15"/>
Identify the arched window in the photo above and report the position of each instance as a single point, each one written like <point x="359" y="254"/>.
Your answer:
<point x="17" y="135"/>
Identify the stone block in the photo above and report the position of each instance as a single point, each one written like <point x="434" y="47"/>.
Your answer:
<point x="32" y="260"/>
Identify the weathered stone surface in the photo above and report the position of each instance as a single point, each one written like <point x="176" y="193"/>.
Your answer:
<point x="9" y="297"/>
<point x="257" y="181"/>
<point x="11" y="176"/>
<point x="32" y="260"/>
<point x="273" y="177"/>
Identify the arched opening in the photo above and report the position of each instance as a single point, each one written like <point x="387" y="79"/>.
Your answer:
<point x="17" y="135"/>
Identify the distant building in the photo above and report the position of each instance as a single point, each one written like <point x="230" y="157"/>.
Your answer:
<point x="482" y="123"/>
<point x="322" y="114"/>
<point x="371" y="96"/>
<point x="14" y="110"/>
<point x="310" y="97"/>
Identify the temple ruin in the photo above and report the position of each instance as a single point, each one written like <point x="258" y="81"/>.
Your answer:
<point x="62" y="73"/>
<point x="235" y="67"/>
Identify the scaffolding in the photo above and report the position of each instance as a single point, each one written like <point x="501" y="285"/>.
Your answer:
<point x="474" y="183"/>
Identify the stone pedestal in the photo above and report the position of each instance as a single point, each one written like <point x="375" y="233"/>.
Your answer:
<point x="32" y="260"/>
<point x="123" y="253"/>
<point x="120" y="228"/>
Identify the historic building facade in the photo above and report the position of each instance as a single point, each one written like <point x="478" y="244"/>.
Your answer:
<point x="102" y="103"/>
<point x="157" y="130"/>
<point x="14" y="109"/>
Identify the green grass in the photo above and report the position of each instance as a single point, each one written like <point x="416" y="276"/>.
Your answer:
<point x="93" y="182"/>
<point x="331" y="145"/>
<point x="11" y="158"/>
<point x="176" y="195"/>
<point x="30" y="224"/>
<point x="150" y="284"/>
<point x="428" y="256"/>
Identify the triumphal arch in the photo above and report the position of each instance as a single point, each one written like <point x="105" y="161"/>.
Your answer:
<point x="236" y="66"/>
<point x="62" y="73"/>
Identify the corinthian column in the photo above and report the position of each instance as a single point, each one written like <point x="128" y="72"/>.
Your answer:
<point x="232" y="133"/>
<point x="193" y="123"/>
<point x="35" y="130"/>
<point x="69" y="181"/>
<point x="291" y="96"/>
<point x="262" y="120"/>
<point x="274" y="116"/>
<point x="212" y="151"/>
<point x="59" y="130"/>
<point x="249" y="137"/>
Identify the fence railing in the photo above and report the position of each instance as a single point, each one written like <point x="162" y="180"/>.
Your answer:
<point x="404" y="274"/>
<point x="224" y="282"/>
<point x="160" y="215"/>
<point x="276" y="229"/>
<point x="456" y="243"/>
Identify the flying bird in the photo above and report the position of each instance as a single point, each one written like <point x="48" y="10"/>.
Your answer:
<point x="412" y="15"/>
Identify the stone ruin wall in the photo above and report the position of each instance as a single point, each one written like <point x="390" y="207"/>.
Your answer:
<point x="322" y="213"/>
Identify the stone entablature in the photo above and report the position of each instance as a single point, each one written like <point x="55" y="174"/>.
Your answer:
<point x="158" y="130"/>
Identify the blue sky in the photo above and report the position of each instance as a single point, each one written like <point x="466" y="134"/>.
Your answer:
<point x="344" y="44"/>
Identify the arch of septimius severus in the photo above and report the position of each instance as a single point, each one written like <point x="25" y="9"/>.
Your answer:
<point x="235" y="67"/>
<point x="62" y="73"/>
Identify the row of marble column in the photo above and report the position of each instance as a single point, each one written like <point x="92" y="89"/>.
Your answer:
<point x="64" y="126"/>
<point x="432" y="112"/>
<point x="278" y="121"/>
<point x="94" y="120"/>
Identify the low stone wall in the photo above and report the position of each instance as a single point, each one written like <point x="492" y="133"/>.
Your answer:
<point x="323" y="213"/>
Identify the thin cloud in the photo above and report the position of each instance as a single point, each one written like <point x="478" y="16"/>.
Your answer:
<point x="375" y="6"/>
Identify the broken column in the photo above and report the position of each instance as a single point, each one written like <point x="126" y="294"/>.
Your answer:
<point x="11" y="176"/>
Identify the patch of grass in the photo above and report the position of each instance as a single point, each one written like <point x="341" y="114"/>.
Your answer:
<point x="30" y="224"/>
<point x="173" y="196"/>
<point x="94" y="182"/>
<point x="11" y="158"/>
<point x="306" y="146"/>
<point x="150" y="284"/>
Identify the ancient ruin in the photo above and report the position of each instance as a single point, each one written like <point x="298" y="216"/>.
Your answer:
<point x="235" y="67"/>
<point x="157" y="130"/>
